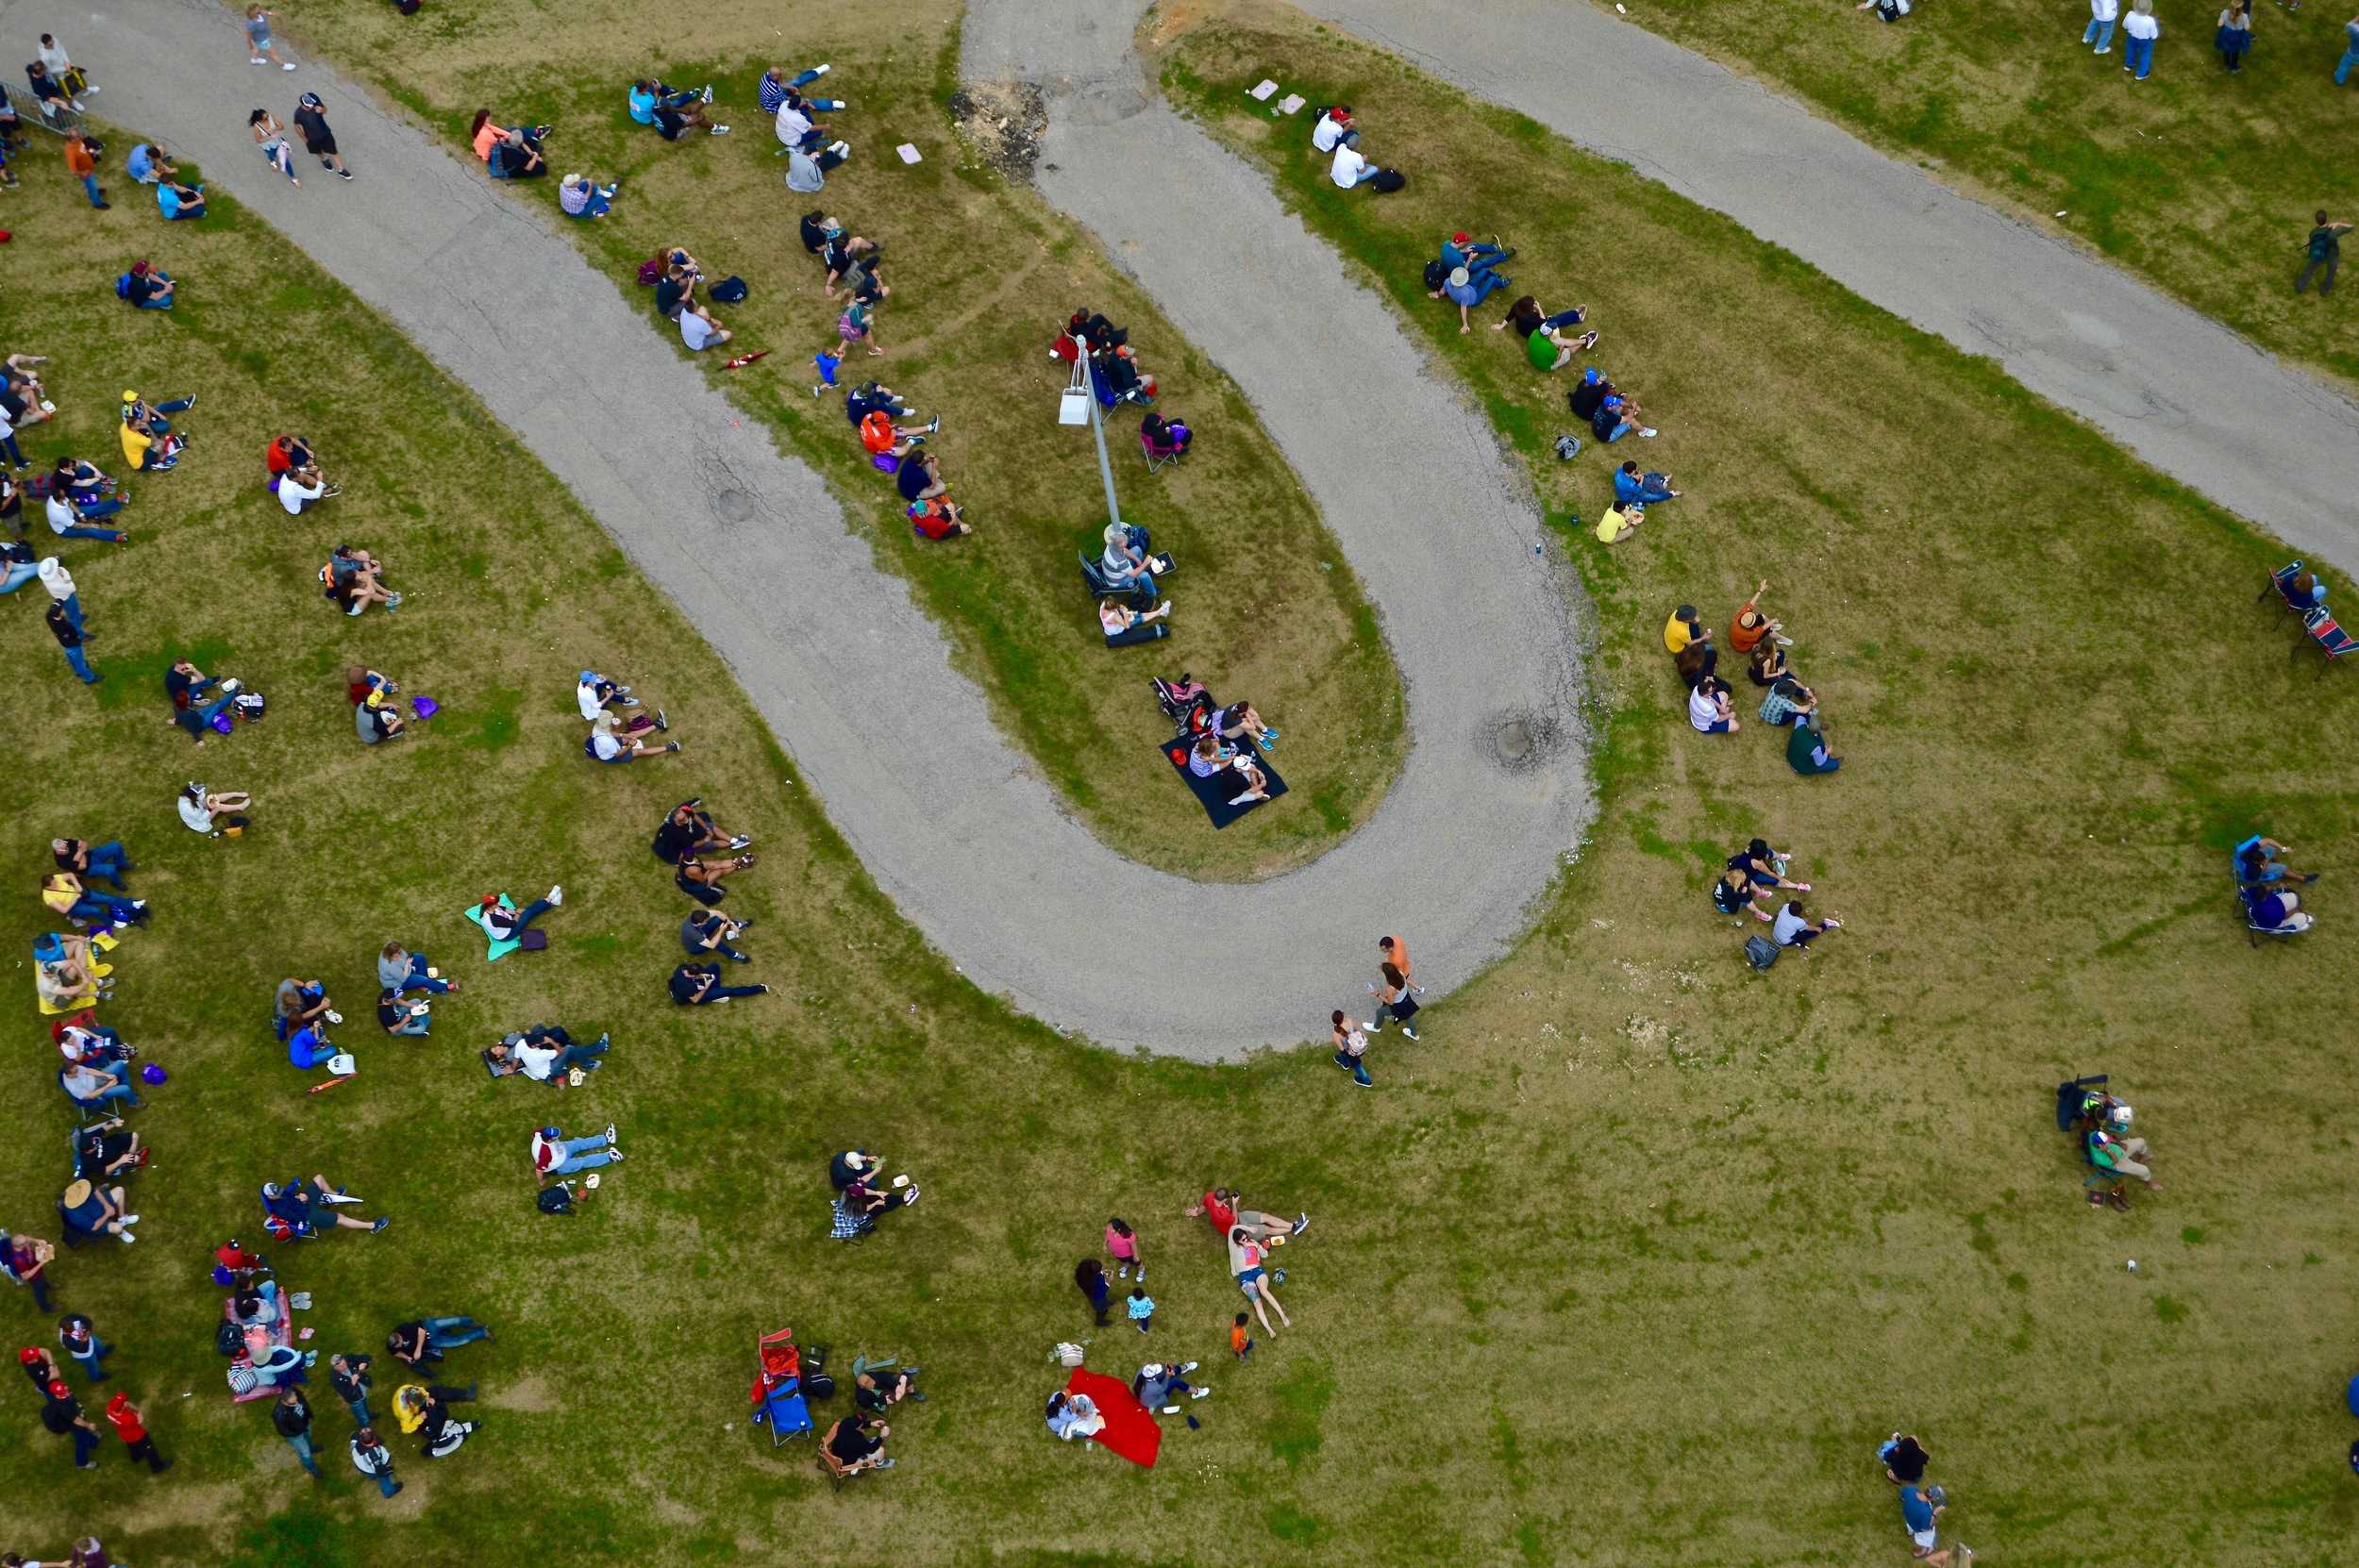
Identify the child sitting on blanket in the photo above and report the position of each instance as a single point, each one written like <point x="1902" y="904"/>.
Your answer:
<point x="1210" y="756"/>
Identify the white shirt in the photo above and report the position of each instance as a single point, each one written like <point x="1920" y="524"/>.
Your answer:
<point x="694" y="330"/>
<point x="292" y="495"/>
<point x="60" y="513"/>
<point x="2104" y="10"/>
<point x="1326" y="133"/>
<point x="2141" y="24"/>
<point x="586" y="698"/>
<point x="55" y="577"/>
<point x="52" y="60"/>
<point x="198" y="819"/>
<point x="534" y="1061"/>
<point x="792" y="125"/>
<point x="1703" y="711"/>
<point x="1788" y="923"/>
<point x="1347" y="166"/>
<point x="607" y="746"/>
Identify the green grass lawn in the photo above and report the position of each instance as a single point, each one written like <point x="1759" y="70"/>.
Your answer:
<point x="2202" y="181"/>
<point x="983" y="276"/>
<point x="1632" y="1260"/>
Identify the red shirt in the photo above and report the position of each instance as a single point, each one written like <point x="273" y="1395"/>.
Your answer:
<point x="875" y="431"/>
<point x="124" y="1419"/>
<point x="933" y="521"/>
<point x="276" y="459"/>
<point x="1222" y="1217"/>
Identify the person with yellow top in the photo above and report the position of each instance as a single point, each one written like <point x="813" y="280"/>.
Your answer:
<point x="1618" y="524"/>
<point x="148" y="440"/>
<point x="1684" y="626"/>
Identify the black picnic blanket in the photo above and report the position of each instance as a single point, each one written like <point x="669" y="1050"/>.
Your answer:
<point x="1224" y="786"/>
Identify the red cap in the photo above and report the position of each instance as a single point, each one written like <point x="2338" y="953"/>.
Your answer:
<point x="118" y="1404"/>
<point x="28" y="1355"/>
<point x="59" y="1389"/>
<point x="1459" y="238"/>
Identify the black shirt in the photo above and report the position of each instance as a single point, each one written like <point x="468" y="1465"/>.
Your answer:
<point x="59" y="1415"/>
<point x="143" y="287"/>
<point x="851" y="1444"/>
<point x="61" y="627"/>
<point x="677" y="839"/>
<point x="686" y="980"/>
<point x="671" y="123"/>
<point x="352" y="1383"/>
<point x="1588" y="398"/>
<point x="670" y="296"/>
<point x="836" y="254"/>
<point x="177" y="687"/>
<point x="316" y="136"/>
<point x="873" y="1400"/>
<point x="814" y="238"/>
<point x="913" y="478"/>
<point x="293" y="1419"/>
<point x="1727" y="899"/>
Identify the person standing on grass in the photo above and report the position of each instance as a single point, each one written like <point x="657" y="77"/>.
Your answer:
<point x="1123" y="1242"/>
<point x="80" y="1338"/>
<point x="70" y="639"/>
<point x="1240" y="1342"/>
<point x="349" y="1377"/>
<point x="375" y="1460"/>
<point x="131" y="1426"/>
<point x="2350" y="52"/>
<point x="1089" y="1277"/>
<point x="262" y="51"/>
<point x="2137" y="55"/>
<point x="2235" y="34"/>
<point x="82" y="163"/>
<point x="2102" y="14"/>
<point x="63" y="1414"/>
<point x="1142" y="1307"/>
<point x="318" y="140"/>
<point x="1919" y="1509"/>
<point x="2326" y="242"/>
<point x="291" y="1415"/>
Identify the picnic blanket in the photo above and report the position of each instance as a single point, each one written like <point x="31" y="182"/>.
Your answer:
<point x="1223" y="787"/>
<point x="281" y="1333"/>
<point x="1129" y="1430"/>
<point x="500" y="949"/>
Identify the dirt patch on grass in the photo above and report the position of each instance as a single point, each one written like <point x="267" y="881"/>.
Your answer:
<point x="1002" y="123"/>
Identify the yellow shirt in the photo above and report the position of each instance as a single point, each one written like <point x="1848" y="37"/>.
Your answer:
<point x="1675" y="634"/>
<point x="135" y="445"/>
<point x="1609" y="526"/>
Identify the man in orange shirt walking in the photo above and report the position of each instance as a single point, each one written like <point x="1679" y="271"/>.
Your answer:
<point x="82" y="163"/>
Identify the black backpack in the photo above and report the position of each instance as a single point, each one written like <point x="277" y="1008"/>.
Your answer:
<point x="1389" y="179"/>
<point x="226" y="1339"/>
<point x="730" y="290"/>
<point x="1435" y="275"/>
<point x="556" y="1200"/>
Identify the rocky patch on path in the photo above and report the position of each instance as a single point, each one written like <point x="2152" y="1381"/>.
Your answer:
<point x="1002" y="122"/>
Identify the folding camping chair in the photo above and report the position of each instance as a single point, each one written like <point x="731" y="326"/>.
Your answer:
<point x="2293" y="926"/>
<point x="2330" y="638"/>
<point x="2281" y="588"/>
<point x="777" y="1391"/>
<point x="1159" y="455"/>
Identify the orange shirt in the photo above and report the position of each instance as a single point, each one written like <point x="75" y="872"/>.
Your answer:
<point x="1742" y="640"/>
<point x="875" y="431"/>
<point x="486" y="139"/>
<point x="1238" y="1339"/>
<point x="78" y="161"/>
<point x="1399" y="958"/>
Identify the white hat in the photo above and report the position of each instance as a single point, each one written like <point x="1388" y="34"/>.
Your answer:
<point x="1458" y="278"/>
<point x="569" y="180"/>
<point x="2121" y="1115"/>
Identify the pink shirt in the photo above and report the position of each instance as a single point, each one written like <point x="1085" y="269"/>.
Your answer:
<point x="1120" y="1246"/>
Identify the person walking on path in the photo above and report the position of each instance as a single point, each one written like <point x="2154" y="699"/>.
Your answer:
<point x="271" y="137"/>
<point x="262" y="51"/>
<point x="291" y="1415"/>
<point x="83" y="165"/>
<point x="2325" y="247"/>
<point x="70" y="638"/>
<point x="2235" y="33"/>
<point x="80" y="1340"/>
<point x="318" y="139"/>
<point x="1394" y="1001"/>
<point x="2102" y="14"/>
<point x="1395" y="951"/>
<point x="63" y="1415"/>
<point x="131" y="1426"/>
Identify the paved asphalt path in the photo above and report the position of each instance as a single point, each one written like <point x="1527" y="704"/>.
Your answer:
<point x="2177" y="387"/>
<point x="956" y="826"/>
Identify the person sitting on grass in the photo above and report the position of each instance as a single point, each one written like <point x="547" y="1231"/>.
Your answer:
<point x="796" y="126"/>
<point x="148" y="287"/>
<point x="701" y="879"/>
<point x="555" y="1155"/>
<point x="696" y="985"/>
<point x="280" y="1366"/>
<point x="1806" y="747"/>
<point x="1159" y="1386"/>
<point x="1749" y="626"/>
<point x="807" y="173"/>
<point x="401" y="971"/>
<point x="884" y="438"/>
<point x="708" y="931"/>
<point x="1350" y="167"/>
<point x="580" y="197"/>
<point x="605" y="745"/>
<point x="672" y="114"/>
<point x="699" y="330"/>
<point x="298" y="1003"/>
<point x="874" y="396"/>
<point x="1239" y="720"/>
<point x="149" y="164"/>
<point x="1210" y="758"/>
<point x="64" y="891"/>
<point x="71" y="518"/>
<point x="220" y="813"/>
<point x="374" y="720"/>
<point x="868" y="1192"/>
<point x="1789" y="701"/>
<point x="939" y="518"/>
<point x="1542" y="334"/>
<point x="176" y="201"/>
<point x="852" y="265"/>
<point x="1616" y="416"/>
<point x="508" y="152"/>
<point x="1074" y="1416"/>
<point x="503" y="923"/>
<point x="1708" y="708"/>
<point x="594" y="693"/>
<point x="776" y="87"/>
<point x="64" y="973"/>
<point x="298" y="487"/>
<point x="1793" y="929"/>
<point x="420" y="1410"/>
<point x="1767" y="665"/>
<point x="149" y="444"/>
<point x="91" y="1210"/>
<point x="919" y="478"/>
<point x="855" y="1445"/>
<point x="1647" y="490"/>
<point x="1125" y="627"/>
<point x="397" y="1014"/>
<point x="688" y="829"/>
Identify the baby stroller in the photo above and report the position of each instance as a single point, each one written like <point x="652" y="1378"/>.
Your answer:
<point x="1187" y="702"/>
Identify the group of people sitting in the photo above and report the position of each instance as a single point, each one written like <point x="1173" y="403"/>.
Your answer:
<point x="876" y="411"/>
<point x="292" y="472"/>
<point x="399" y="973"/>
<point x="1750" y="883"/>
<point x="620" y="726"/>
<point x="1091" y="340"/>
<point x="2265" y="885"/>
<point x="812" y="150"/>
<point x="509" y="152"/>
<point x="702" y="854"/>
<point x="862" y="1193"/>
<point x="201" y="703"/>
<point x="677" y="275"/>
<point x="1334" y="132"/>
<point x="672" y="112"/>
<point x="1785" y="701"/>
<point x="2103" y="1128"/>
<point x="375" y="718"/>
<point x="354" y="579"/>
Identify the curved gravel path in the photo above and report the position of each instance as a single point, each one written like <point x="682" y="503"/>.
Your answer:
<point x="2182" y="392"/>
<point x="857" y="682"/>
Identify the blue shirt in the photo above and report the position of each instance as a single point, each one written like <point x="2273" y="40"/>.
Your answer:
<point x="1917" y="1509"/>
<point x="643" y="107"/>
<point x="1627" y="488"/>
<point x="142" y="161"/>
<point x="773" y="94"/>
<point x="169" y="200"/>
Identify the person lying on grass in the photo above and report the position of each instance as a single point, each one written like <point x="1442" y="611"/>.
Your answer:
<point x="555" y="1155"/>
<point x="422" y="1341"/>
<point x="546" y="1054"/>
<point x="1223" y="1207"/>
<point x="296" y="1209"/>
<point x="1245" y="1262"/>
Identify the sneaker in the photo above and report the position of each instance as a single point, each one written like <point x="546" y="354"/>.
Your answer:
<point x="841" y="149"/>
<point x="128" y="1238"/>
<point x="609" y="1132"/>
<point x="1649" y="433"/>
<point x="1187" y="1367"/>
<point x="393" y="601"/>
<point x="1410" y="1032"/>
<point x="674" y="747"/>
<point x="617" y="1154"/>
<point x="288" y="66"/>
<point x="1302" y="1222"/>
<point x="743" y="840"/>
<point x="257" y="61"/>
<point x="1142" y="1326"/>
<point x="766" y="991"/>
<point x="660" y="721"/>
<point x="335" y="1017"/>
<point x="1587" y="339"/>
<point x="1123" y="1273"/>
<point x="933" y="424"/>
<point x="912" y="1197"/>
<point x="358" y="607"/>
<point x="2107" y="50"/>
<point x="821" y="70"/>
<point x="720" y="130"/>
<point x="346" y="173"/>
<point x="708" y="94"/>
<point x="311" y="1357"/>
<point x="382" y="1221"/>
<point x="324" y="164"/>
<point x="882" y="1464"/>
<point x="1198" y="1393"/>
<point x="556" y="895"/>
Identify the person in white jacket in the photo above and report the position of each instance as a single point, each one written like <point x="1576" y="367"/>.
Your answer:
<point x="2102" y="14"/>
<point x="2137" y="55"/>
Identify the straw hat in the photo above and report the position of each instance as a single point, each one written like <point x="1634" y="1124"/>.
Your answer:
<point x="77" y="1192"/>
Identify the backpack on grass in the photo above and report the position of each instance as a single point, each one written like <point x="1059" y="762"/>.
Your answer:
<point x="1760" y="952"/>
<point x="730" y="290"/>
<point x="651" y="270"/>
<point x="123" y="285"/>
<point x="226" y="1339"/>
<point x="1435" y="275"/>
<point x="1389" y="179"/>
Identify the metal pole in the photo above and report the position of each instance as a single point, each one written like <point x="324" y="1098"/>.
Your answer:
<point x="1105" y="465"/>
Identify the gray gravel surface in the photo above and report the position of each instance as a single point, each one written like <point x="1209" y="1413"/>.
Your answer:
<point x="954" y="825"/>
<point x="2182" y="392"/>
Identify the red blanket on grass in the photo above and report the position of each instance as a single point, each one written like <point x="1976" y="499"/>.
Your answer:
<point x="1129" y="1430"/>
